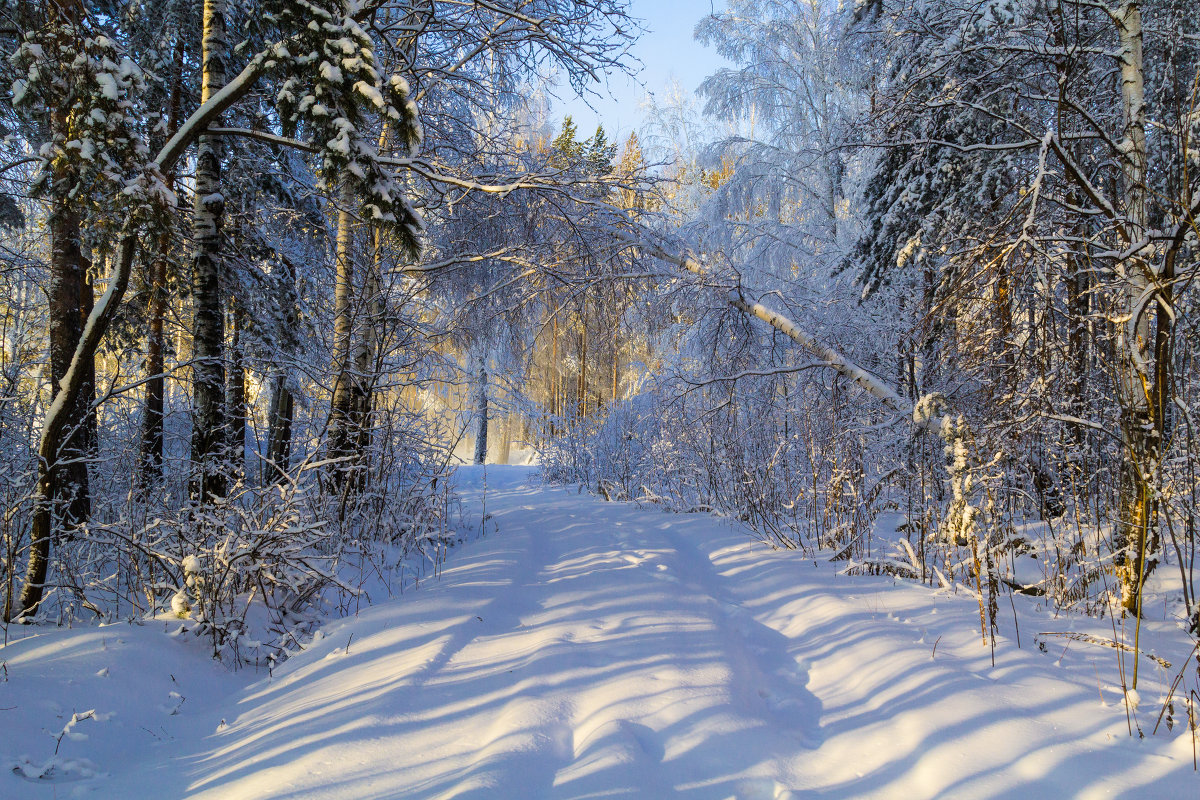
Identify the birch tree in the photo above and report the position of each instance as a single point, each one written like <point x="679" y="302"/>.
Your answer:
<point x="209" y="422"/>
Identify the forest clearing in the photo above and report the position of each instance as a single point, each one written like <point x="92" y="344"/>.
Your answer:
<point x="851" y="353"/>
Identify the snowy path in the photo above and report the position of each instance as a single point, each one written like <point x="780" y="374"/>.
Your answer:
<point x="598" y="650"/>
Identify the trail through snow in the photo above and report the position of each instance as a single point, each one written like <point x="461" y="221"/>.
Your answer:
<point x="584" y="649"/>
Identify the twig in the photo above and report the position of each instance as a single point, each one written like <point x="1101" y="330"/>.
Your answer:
<point x="1100" y="640"/>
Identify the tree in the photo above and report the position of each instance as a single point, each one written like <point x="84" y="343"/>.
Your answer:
<point x="209" y="421"/>
<point x="77" y="89"/>
<point x="979" y="108"/>
<point x="350" y="121"/>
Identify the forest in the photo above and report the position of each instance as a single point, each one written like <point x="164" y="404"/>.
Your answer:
<point x="906" y="287"/>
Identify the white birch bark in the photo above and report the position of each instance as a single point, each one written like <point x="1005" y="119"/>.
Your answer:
<point x="209" y="437"/>
<point x="1136" y="377"/>
<point x="341" y="437"/>
<point x="481" y="418"/>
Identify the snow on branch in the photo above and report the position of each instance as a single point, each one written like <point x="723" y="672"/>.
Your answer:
<point x="828" y="356"/>
<point x="229" y="94"/>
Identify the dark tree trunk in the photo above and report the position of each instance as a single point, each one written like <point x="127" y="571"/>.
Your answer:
<point x="235" y="394"/>
<point x="69" y="304"/>
<point x="151" y="467"/>
<point x="69" y="301"/>
<point x="279" y="430"/>
<point x="151" y="471"/>
<point x="281" y="409"/>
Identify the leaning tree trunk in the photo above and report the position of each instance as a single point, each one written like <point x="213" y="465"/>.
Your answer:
<point x="54" y="433"/>
<point x="62" y="462"/>
<point x="209" y="428"/>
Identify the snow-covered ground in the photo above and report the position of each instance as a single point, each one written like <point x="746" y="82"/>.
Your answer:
<point x="584" y="649"/>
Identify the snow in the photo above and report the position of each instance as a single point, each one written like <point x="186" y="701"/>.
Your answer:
<point x="583" y="649"/>
<point x="330" y="73"/>
<point x="370" y="92"/>
<point x="108" y="86"/>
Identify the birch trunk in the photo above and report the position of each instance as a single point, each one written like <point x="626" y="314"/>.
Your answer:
<point x="209" y="428"/>
<point x="481" y="417"/>
<point x="341" y="413"/>
<point x="1137" y="382"/>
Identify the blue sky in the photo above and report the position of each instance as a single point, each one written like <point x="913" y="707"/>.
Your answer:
<point x="667" y="51"/>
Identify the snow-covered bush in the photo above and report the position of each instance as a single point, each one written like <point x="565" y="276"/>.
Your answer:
<point x="624" y="453"/>
<point x="253" y="572"/>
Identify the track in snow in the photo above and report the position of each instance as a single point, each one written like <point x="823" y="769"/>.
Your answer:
<point x="600" y="650"/>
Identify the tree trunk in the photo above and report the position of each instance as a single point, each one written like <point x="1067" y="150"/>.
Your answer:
<point x="279" y="430"/>
<point x="341" y="414"/>
<point x="616" y="361"/>
<point x="281" y="405"/>
<point x="481" y="417"/>
<point x="70" y="303"/>
<point x="235" y="394"/>
<point x="209" y="427"/>
<point x="555" y="404"/>
<point x="581" y="384"/>
<point x="367" y="357"/>
<point x="54" y="433"/>
<point x="151" y="465"/>
<point x="1137" y="379"/>
<point x="62" y="483"/>
<point x="506" y="432"/>
<point x="150" y="469"/>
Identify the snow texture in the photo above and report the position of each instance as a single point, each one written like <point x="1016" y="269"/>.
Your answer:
<point x="583" y="649"/>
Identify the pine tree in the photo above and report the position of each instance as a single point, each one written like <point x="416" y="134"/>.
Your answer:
<point x="600" y="154"/>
